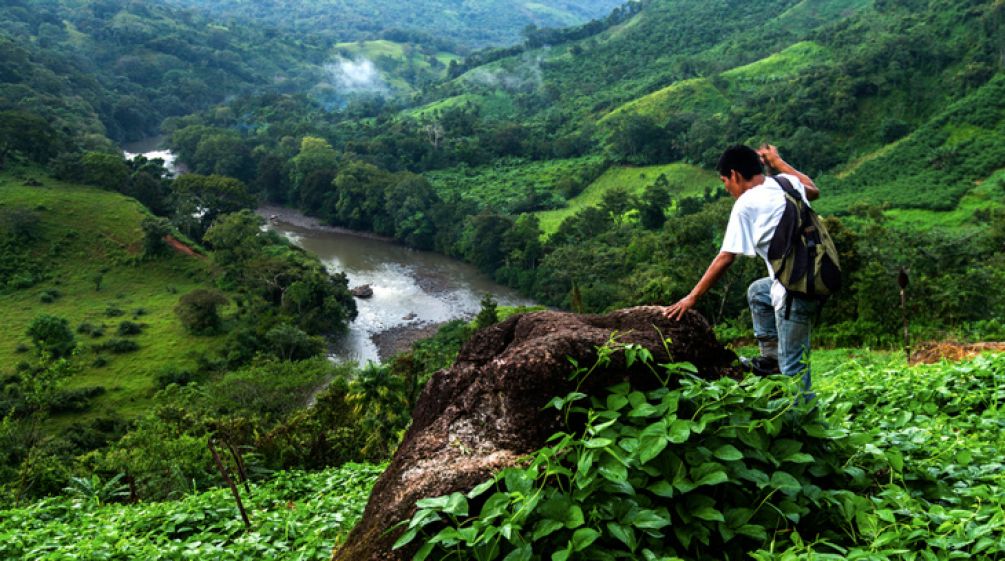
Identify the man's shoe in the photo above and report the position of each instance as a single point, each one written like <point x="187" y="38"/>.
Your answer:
<point x="761" y="365"/>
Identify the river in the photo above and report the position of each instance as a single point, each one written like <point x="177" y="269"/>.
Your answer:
<point x="153" y="148"/>
<point x="413" y="291"/>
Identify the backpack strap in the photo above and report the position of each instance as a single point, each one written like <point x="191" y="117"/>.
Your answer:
<point x="786" y="186"/>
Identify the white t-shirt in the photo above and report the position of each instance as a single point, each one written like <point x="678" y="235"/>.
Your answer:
<point x="753" y="220"/>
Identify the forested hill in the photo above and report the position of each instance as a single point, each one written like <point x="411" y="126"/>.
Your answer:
<point x="116" y="69"/>
<point x="834" y="82"/>
<point x="478" y="23"/>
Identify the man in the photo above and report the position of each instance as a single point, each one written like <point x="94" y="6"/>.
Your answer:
<point x="782" y="332"/>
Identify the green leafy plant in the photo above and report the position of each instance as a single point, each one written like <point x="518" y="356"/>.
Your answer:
<point x="688" y="468"/>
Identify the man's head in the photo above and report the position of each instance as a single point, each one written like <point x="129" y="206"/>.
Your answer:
<point x="737" y="167"/>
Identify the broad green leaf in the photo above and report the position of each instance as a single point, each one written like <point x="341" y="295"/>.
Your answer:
<point x="708" y="513"/>
<point x="405" y="538"/>
<point x="680" y="431"/>
<point x="625" y="534"/>
<point x="546" y="527"/>
<point x="728" y="453"/>
<point x="597" y="442"/>
<point x="521" y="553"/>
<point x="785" y="483"/>
<point x="799" y="458"/>
<point x="652" y="441"/>
<point x="457" y="504"/>
<point x="495" y="505"/>
<point x="662" y="488"/>
<point x="753" y="531"/>
<point x="616" y="402"/>
<point x="652" y="519"/>
<point x="433" y="502"/>
<point x="481" y="488"/>
<point x="424" y="551"/>
<point x="583" y="537"/>
<point x="519" y="480"/>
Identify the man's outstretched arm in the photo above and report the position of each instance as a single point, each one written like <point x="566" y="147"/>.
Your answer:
<point x="708" y="280"/>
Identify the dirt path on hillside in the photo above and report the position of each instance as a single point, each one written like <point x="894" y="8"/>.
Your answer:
<point x="181" y="248"/>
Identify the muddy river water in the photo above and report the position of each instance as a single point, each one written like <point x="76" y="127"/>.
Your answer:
<point x="413" y="291"/>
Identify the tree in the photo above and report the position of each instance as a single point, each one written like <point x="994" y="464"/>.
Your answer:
<point x="359" y="203"/>
<point x="616" y="202"/>
<point x="148" y="190"/>
<point x="637" y="139"/>
<point x="315" y="155"/>
<point x="235" y="238"/>
<point x="109" y="171"/>
<point x="482" y="240"/>
<point x="154" y="231"/>
<point x="487" y="315"/>
<point x="199" y="311"/>
<point x="26" y="133"/>
<point x="52" y="335"/>
<point x="409" y="203"/>
<point x="19" y="224"/>
<point x="223" y="154"/>
<point x="289" y="343"/>
<point x="653" y="205"/>
<point x="200" y="199"/>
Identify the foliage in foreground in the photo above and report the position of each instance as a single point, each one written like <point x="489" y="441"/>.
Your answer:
<point x="295" y="516"/>
<point x="880" y="469"/>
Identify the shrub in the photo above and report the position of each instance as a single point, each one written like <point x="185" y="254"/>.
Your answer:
<point x="198" y="312"/>
<point x="49" y="296"/>
<point x="173" y="375"/>
<point x="52" y="335"/>
<point x="113" y="312"/>
<point x="127" y="328"/>
<point x="118" y="346"/>
<point x="74" y="400"/>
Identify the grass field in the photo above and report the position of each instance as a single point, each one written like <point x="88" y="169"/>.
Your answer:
<point x="495" y="105"/>
<point x="779" y="66"/>
<point x="988" y="195"/>
<point x="685" y="180"/>
<point x="86" y="233"/>
<point x="697" y="96"/>
<point x="506" y="182"/>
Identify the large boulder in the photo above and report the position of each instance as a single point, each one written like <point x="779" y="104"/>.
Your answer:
<point x="487" y="411"/>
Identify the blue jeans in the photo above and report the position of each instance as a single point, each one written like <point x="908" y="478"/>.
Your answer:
<point x="790" y="336"/>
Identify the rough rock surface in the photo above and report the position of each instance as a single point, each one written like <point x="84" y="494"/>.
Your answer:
<point x="485" y="412"/>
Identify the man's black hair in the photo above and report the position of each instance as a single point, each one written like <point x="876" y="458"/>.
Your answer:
<point x="740" y="158"/>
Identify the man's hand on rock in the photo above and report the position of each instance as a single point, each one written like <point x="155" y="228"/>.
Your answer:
<point x="677" y="311"/>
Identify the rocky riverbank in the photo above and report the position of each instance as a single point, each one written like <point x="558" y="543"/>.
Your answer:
<point x="399" y="339"/>
<point x="297" y="219"/>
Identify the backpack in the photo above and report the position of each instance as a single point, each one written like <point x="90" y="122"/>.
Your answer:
<point x="802" y="254"/>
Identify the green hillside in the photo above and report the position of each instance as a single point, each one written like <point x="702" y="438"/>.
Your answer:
<point x="88" y="248"/>
<point x="683" y="180"/>
<point x="403" y="67"/>
<point x="469" y="24"/>
<point x="516" y="185"/>
<point x="117" y="69"/>
<point x="696" y="95"/>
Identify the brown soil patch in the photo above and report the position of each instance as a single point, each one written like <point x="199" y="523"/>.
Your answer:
<point x="180" y="247"/>
<point x="932" y="352"/>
